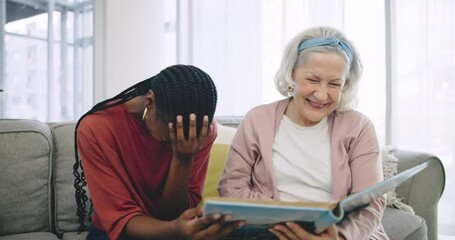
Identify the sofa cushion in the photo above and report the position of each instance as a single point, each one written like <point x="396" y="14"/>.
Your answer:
<point x="31" y="236"/>
<point x="65" y="219"/>
<point x="401" y="225"/>
<point x="218" y="156"/>
<point x="25" y="176"/>
<point x="225" y="134"/>
<point x="229" y="121"/>
<point x="74" y="236"/>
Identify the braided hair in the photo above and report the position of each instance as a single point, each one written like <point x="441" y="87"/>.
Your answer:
<point x="178" y="90"/>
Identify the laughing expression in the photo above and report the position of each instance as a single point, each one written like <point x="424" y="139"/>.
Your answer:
<point x="318" y="87"/>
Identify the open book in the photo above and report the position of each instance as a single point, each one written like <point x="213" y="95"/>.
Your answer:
<point x="260" y="215"/>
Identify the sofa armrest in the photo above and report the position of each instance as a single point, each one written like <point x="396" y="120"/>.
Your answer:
<point x="229" y="121"/>
<point x="423" y="191"/>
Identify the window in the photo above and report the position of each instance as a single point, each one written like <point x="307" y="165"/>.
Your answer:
<point x="247" y="38"/>
<point x="48" y="65"/>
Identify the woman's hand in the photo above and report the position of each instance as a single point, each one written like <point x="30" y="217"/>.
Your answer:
<point x="292" y="230"/>
<point x="176" y="194"/>
<point x="191" y="225"/>
<point x="184" y="150"/>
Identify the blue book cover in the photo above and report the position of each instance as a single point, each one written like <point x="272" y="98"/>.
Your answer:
<point x="315" y="217"/>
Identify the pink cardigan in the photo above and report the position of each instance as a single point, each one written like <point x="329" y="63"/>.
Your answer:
<point x="356" y="164"/>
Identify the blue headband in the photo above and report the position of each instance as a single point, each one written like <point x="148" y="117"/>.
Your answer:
<point x="330" y="41"/>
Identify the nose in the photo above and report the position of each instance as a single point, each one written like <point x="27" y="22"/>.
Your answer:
<point x="321" y="92"/>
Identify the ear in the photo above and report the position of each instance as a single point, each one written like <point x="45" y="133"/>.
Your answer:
<point x="293" y="73"/>
<point x="150" y="99"/>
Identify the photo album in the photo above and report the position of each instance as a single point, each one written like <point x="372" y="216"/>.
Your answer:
<point x="315" y="217"/>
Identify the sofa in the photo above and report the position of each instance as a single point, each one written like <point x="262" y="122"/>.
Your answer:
<point x="37" y="194"/>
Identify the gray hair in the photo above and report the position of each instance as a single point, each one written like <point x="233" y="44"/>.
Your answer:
<point x="292" y="58"/>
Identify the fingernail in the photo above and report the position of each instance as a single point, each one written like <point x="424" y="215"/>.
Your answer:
<point x="179" y="118"/>
<point x="241" y="224"/>
<point x="193" y="116"/>
<point x="216" y="216"/>
<point x="206" y="118"/>
<point x="227" y="217"/>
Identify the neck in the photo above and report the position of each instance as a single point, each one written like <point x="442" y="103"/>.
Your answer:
<point x="136" y="106"/>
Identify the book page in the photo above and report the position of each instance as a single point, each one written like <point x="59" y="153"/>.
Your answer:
<point x="365" y="197"/>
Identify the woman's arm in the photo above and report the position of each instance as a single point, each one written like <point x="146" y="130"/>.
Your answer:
<point x="190" y="225"/>
<point x="107" y="183"/>
<point x="183" y="187"/>
<point x="121" y="216"/>
<point x="364" y="222"/>
<point x="366" y="170"/>
<point x="237" y="178"/>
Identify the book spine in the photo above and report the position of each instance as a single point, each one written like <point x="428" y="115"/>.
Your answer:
<point x="328" y="219"/>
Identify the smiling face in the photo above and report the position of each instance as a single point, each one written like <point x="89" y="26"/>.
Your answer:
<point x="318" y="87"/>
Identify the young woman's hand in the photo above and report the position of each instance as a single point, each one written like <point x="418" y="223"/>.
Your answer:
<point x="184" y="149"/>
<point x="191" y="225"/>
<point x="292" y="230"/>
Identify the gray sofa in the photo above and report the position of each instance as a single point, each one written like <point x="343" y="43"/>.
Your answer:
<point x="37" y="194"/>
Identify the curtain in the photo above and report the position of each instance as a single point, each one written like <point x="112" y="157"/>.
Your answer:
<point x="240" y="43"/>
<point x="247" y="39"/>
<point x="424" y="87"/>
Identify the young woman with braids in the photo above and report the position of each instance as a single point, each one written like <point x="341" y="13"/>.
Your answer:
<point x="144" y="155"/>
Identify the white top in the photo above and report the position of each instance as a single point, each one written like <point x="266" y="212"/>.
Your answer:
<point x="301" y="161"/>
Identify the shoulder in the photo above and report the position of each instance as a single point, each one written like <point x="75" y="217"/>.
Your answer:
<point x="266" y="112"/>
<point x="351" y="125"/>
<point x="262" y="121"/>
<point x="101" y="121"/>
<point x="351" y="118"/>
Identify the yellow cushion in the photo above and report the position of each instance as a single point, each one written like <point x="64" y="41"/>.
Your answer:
<point x="218" y="157"/>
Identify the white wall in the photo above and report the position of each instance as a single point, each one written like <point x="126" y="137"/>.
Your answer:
<point x="126" y="50"/>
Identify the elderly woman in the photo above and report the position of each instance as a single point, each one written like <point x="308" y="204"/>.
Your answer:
<point x="311" y="146"/>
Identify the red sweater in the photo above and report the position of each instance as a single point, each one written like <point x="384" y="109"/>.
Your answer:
<point x="126" y="168"/>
